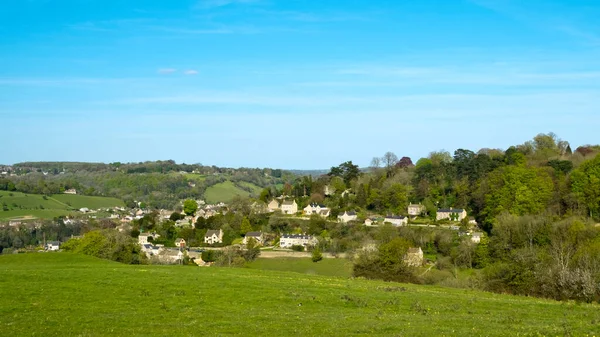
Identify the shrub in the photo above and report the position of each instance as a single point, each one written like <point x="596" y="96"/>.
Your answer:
<point x="298" y="248"/>
<point x="317" y="255"/>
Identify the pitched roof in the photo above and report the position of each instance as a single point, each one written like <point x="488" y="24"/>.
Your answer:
<point x="450" y="210"/>
<point x="287" y="202"/>
<point x="54" y="243"/>
<point x="253" y="234"/>
<point x="414" y="250"/>
<point x="399" y="217"/>
<point x="210" y="232"/>
<point x="296" y="236"/>
<point x="351" y="213"/>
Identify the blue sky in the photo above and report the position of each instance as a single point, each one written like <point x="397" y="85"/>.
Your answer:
<point x="292" y="84"/>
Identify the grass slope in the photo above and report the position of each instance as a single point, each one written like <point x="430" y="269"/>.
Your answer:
<point x="34" y="205"/>
<point x="224" y="192"/>
<point x="80" y="201"/>
<point x="325" y="267"/>
<point x="62" y="294"/>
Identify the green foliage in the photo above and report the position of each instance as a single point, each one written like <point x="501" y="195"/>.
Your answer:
<point x="107" y="244"/>
<point x="190" y="207"/>
<point x="585" y="183"/>
<point x="210" y="255"/>
<point x="297" y="248"/>
<point x="316" y="255"/>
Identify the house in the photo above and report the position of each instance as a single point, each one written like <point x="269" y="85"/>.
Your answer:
<point x="372" y="221"/>
<point x="289" y="207"/>
<point x="325" y="212"/>
<point x="414" y="257"/>
<point x="52" y="246"/>
<point x="84" y="210"/>
<point x="143" y="237"/>
<point x="476" y="237"/>
<point x="213" y="236"/>
<point x="289" y="240"/>
<point x="71" y="191"/>
<point x="454" y="214"/>
<point x="348" y="216"/>
<point x="369" y="222"/>
<point x="396" y="220"/>
<point x="415" y="210"/>
<point x="315" y="209"/>
<point x="180" y="242"/>
<point x="273" y="205"/>
<point x="257" y="236"/>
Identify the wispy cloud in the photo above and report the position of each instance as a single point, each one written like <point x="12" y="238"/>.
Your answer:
<point x="166" y="71"/>
<point x="191" y="72"/>
<point x="207" y="4"/>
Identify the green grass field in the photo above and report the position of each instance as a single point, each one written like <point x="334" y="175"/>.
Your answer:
<point x="34" y="205"/>
<point x="80" y="201"/>
<point x="224" y="192"/>
<point x="325" y="267"/>
<point x="59" y="294"/>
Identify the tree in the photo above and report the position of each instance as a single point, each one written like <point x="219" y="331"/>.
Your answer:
<point x="317" y="255"/>
<point x="585" y="184"/>
<point x="405" y="162"/>
<point x="190" y="207"/>
<point x="245" y="227"/>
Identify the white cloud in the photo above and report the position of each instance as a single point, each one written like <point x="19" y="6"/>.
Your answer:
<point x="191" y="72"/>
<point x="167" y="70"/>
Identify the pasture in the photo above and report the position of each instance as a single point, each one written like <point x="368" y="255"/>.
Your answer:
<point x="70" y="295"/>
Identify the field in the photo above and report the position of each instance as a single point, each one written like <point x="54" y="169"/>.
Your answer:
<point x="325" y="267"/>
<point x="59" y="294"/>
<point x="35" y="205"/>
<point x="225" y="192"/>
<point x="80" y="201"/>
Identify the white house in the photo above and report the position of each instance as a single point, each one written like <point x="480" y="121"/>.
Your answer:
<point x="415" y="209"/>
<point x="213" y="236"/>
<point x="316" y="209"/>
<point x="71" y="191"/>
<point x="348" y="216"/>
<point x="273" y="205"/>
<point x="289" y="207"/>
<point x="476" y="237"/>
<point x="396" y="220"/>
<point x="289" y="240"/>
<point x="143" y="237"/>
<point x="455" y="214"/>
<point x="257" y="236"/>
<point x="52" y="246"/>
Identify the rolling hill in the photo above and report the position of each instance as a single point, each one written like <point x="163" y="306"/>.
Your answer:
<point x="19" y="205"/>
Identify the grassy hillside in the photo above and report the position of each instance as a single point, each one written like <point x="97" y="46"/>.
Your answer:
<point x="80" y="201"/>
<point x="326" y="267"/>
<point x="226" y="191"/>
<point x="35" y="205"/>
<point x="63" y="294"/>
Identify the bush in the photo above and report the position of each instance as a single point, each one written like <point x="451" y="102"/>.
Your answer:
<point x="317" y="255"/>
<point x="210" y="255"/>
<point x="298" y="248"/>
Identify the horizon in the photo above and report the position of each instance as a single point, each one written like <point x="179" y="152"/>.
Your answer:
<point x="257" y="83"/>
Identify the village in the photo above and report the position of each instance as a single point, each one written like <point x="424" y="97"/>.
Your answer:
<point x="289" y="244"/>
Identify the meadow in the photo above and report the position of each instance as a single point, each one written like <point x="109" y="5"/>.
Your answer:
<point x="91" y="202"/>
<point x="326" y="267"/>
<point x="19" y="205"/>
<point x="64" y="294"/>
<point x="226" y="191"/>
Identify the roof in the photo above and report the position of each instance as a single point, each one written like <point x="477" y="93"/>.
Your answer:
<point x="212" y="232"/>
<point x="54" y="243"/>
<point x="351" y="213"/>
<point x="179" y="240"/>
<point x="414" y="250"/>
<point x="287" y="202"/>
<point x="399" y="217"/>
<point x="324" y="212"/>
<point x="254" y="234"/>
<point x="450" y="210"/>
<point x="296" y="236"/>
